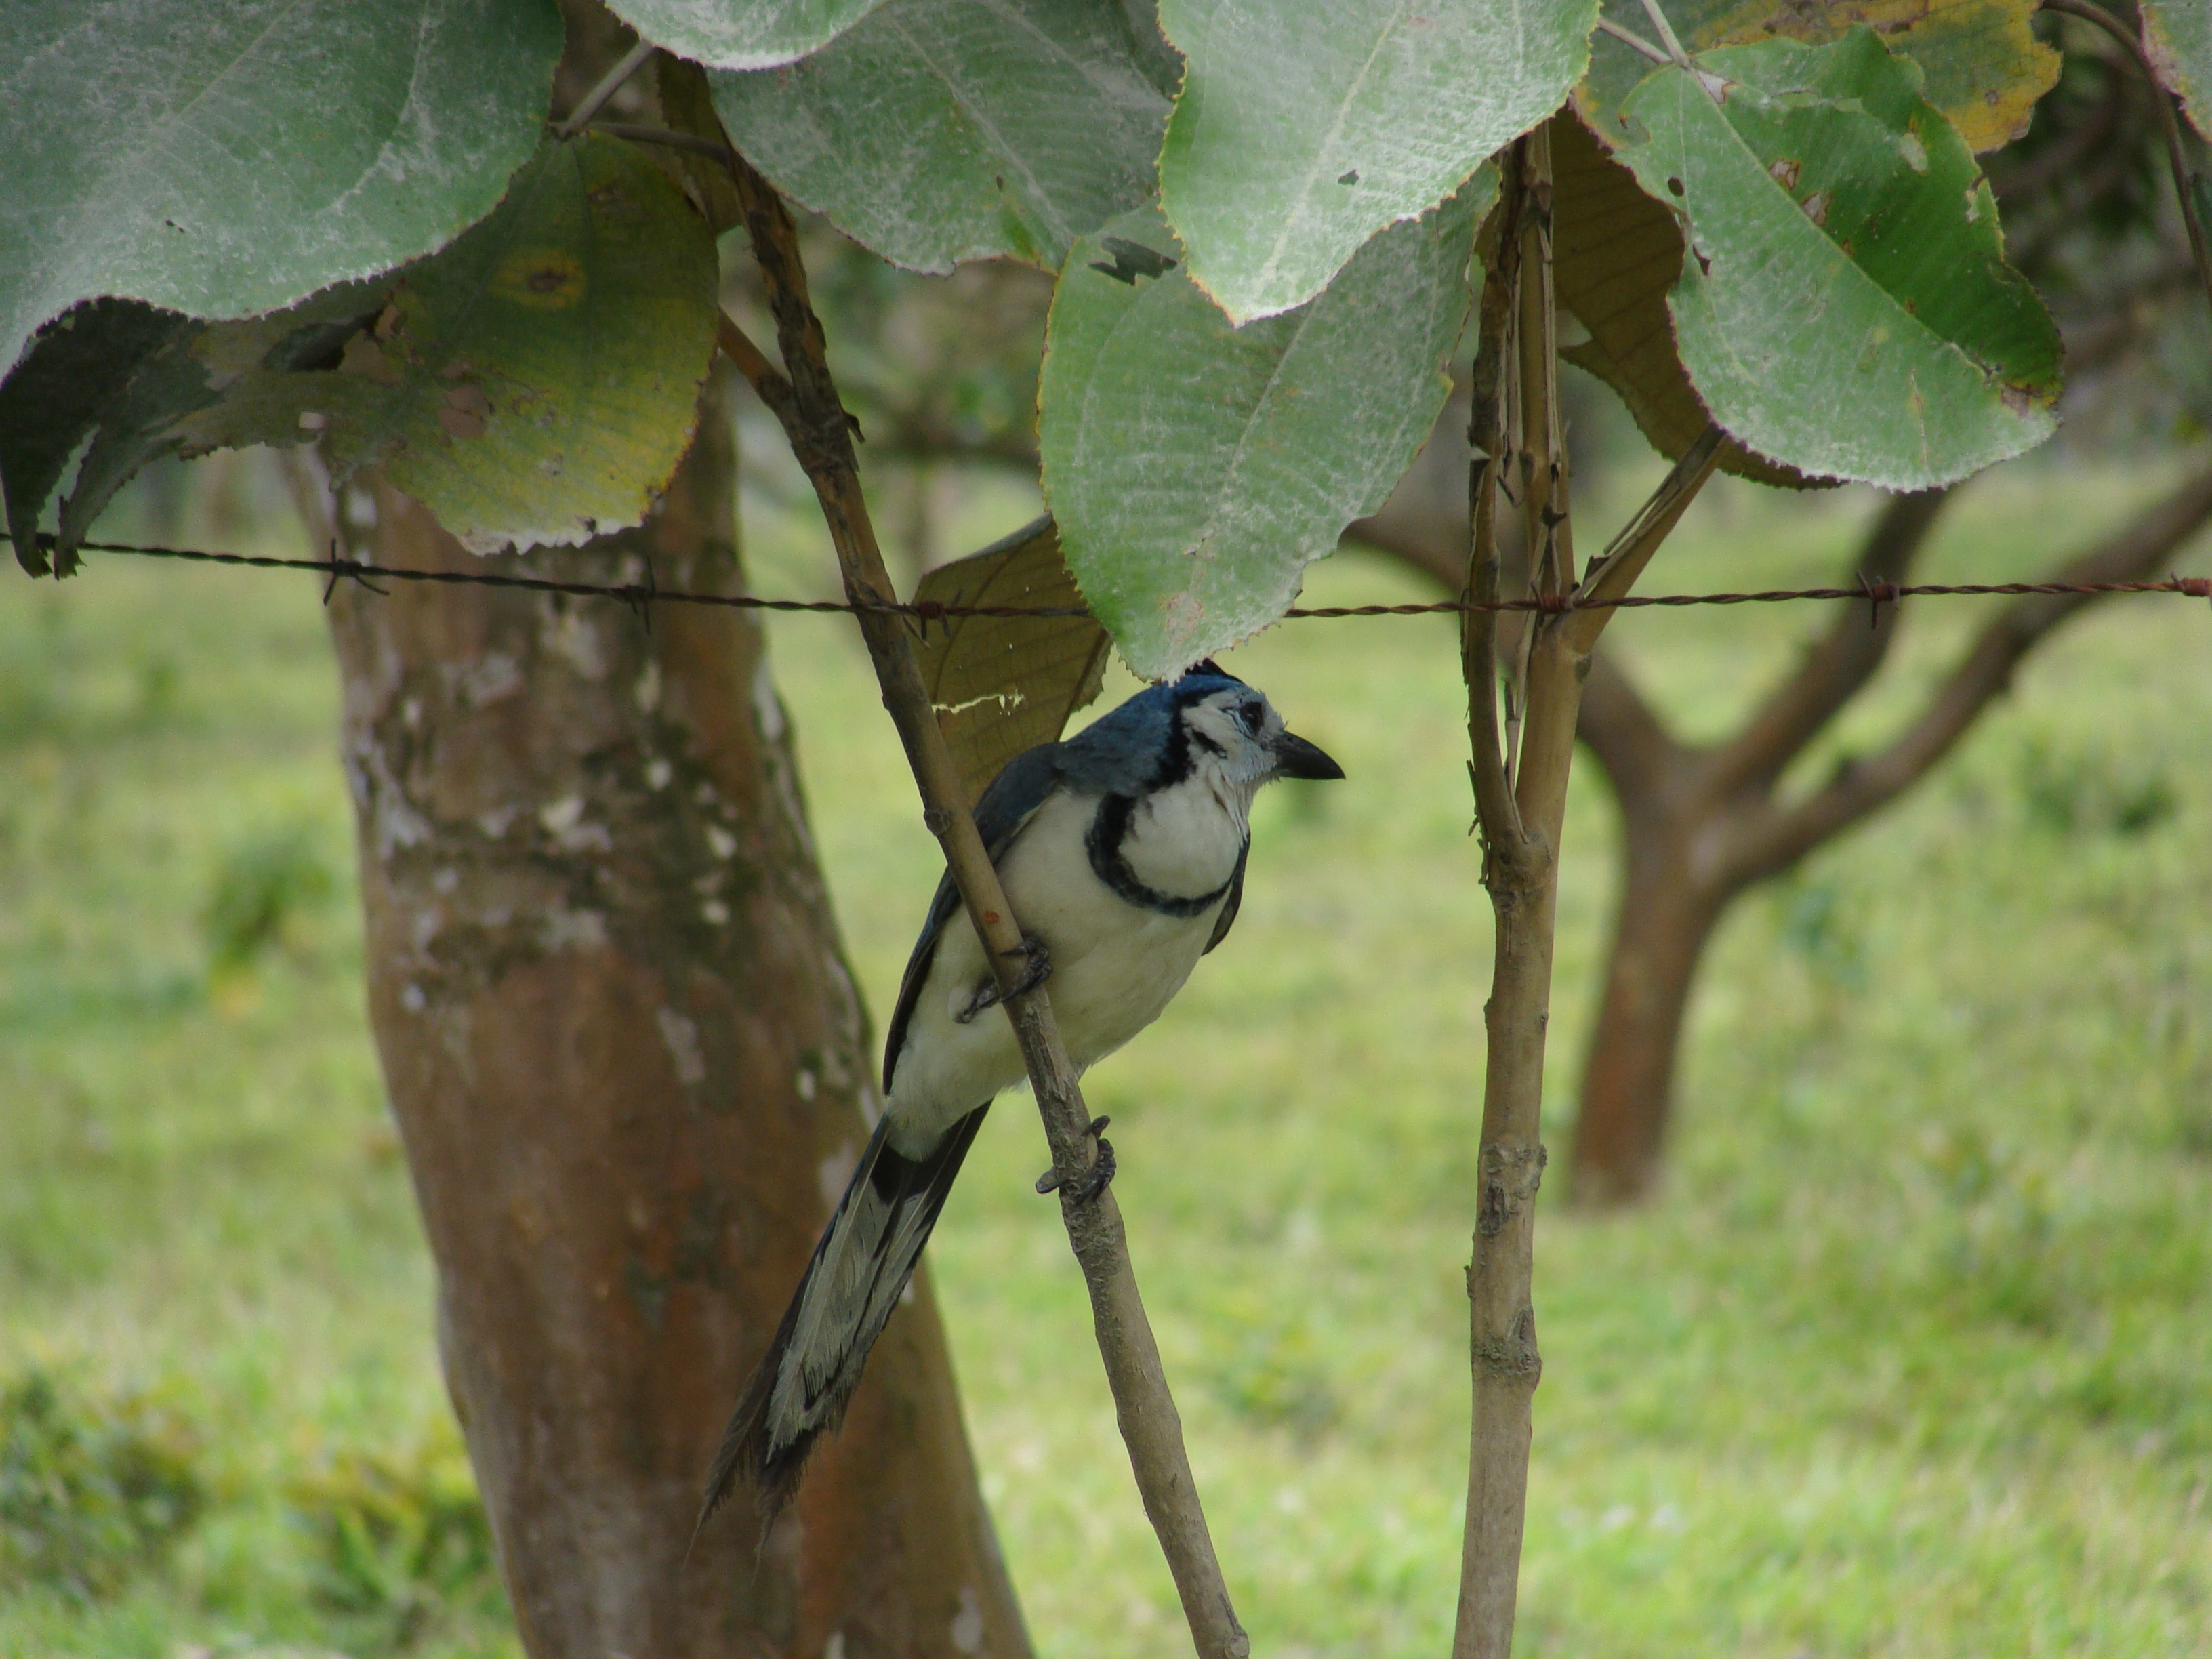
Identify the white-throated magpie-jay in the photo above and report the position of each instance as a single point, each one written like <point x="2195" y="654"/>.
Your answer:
<point x="1122" y="853"/>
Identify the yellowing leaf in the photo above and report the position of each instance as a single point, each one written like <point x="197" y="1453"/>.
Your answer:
<point x="1981" y="62"/>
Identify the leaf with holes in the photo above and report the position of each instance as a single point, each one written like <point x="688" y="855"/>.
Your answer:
<point x="940" y="130"/>
<point x="535" y="382"/>
<point x="1615" y="254"/>
<point x="742" y="34"/>
<point x="1002" y="684"/>
<point x="1196" y="469"/>
<point x="1984" y="68"/>
<point x="222" y="157"/>
<point x="1845" y="308"/>
<point x="2176" y="37"/>
<point x="1305" y="127"/>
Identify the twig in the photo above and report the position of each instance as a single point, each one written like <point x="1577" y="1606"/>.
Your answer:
<point x="638" y="134"/>
<point x="1517" y="868"/>
<point x="821" y="436"/>
<point x="1485" y="435"/>
<point x="1631" y="38"/>
<point x="610" y="83"/>
<point x="1615" y="571"/>
<point x="1667" y="36"/>
<point x="766" y="379"/>
<point x="1520" y="871"/>
<point x="2169" y="124"/>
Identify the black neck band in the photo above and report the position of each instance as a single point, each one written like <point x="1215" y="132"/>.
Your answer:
<point x="1109" y="828"/>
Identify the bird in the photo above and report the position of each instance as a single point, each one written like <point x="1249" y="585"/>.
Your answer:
<point x="1122" y="852"/>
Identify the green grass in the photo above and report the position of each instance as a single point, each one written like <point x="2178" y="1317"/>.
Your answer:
<point x="1909" y="1359"/>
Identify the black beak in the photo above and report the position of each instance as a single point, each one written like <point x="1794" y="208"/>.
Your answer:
<point x="1297" y="758"/>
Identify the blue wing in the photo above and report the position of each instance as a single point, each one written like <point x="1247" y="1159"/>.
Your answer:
<point x="1010" y="803"/>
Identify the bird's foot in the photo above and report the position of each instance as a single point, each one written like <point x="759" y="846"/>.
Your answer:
<point x="1088" y="1187"/>
<point x="1038" y="959"/>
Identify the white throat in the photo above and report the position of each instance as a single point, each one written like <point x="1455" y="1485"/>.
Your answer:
<point x="1185" y="840"/>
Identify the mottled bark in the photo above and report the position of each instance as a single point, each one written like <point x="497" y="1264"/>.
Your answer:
<point x="632" y="1072"/>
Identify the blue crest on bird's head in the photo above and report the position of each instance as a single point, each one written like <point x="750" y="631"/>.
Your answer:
<point x="1200" y="679"/>
<point x="1139" y="745"/>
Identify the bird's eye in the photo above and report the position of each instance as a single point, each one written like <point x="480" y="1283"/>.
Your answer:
<point x="1255" y="715"/>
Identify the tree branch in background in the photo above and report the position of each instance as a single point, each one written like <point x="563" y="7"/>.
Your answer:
<point x="820" y="430"/>
<point x="2145" y="546"/>
<point x="1701" y="823"/>
<point x="1837" y="666"/>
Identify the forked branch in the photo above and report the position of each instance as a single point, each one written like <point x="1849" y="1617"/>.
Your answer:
<point x="803" y="398"/>
<point x="2146" y="545"/>
<point x="1523" y="814"/>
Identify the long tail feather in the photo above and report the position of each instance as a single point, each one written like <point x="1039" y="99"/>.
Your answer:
<point x="800" y="1390"/>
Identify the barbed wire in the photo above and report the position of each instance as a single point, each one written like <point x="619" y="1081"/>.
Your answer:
<point x="640" y="595"/>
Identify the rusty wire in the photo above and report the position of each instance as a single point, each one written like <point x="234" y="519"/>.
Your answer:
<point x="639" y="596"/>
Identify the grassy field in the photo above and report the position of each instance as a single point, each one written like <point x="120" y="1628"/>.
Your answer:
<point x="1909" y="1360"/>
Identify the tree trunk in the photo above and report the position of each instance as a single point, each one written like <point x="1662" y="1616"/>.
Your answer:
<point x="632" y="1073"/>
<point x="1659" y="932"/>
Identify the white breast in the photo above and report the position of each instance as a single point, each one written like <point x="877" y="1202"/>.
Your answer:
<point x="1115" y="966"/>
<point x="1185" y="840"/>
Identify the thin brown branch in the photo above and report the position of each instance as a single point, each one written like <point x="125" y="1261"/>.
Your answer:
<point x="2169" y="123"/>
<point x="638" y="134"/>
<point x="1495" y="811"/>
<point x="1665" y="30"/>
<point x="610" y="83"/>
<point x="1631" y="39"/>
<point x="1522" y="874"/>
<point x="767" y="381"/>
<point x="1860" y="787"/>
<point x="1615" y="572"/>
<point x="1522" y="878"/>
<point x="821" y="436"/>
<point x="1837" y="667"/>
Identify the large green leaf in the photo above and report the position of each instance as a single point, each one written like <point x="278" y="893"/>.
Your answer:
<point x="1983" y="65"/>
<point x="1846" y="309"/>
<point x="938" y="130"/>
<point x="221" y="157"/>
<point x="1615" y="255"/>
<point x="1196" y="469"/>
<point x="742" y="34"/>
<point x="2176" y="36"/>
<point x="535" y="381"/>
<point x="1305" y="127"/>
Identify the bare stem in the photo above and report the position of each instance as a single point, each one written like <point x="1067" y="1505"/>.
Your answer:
<point x="640" y="134"/>
<point x="1520" y="870"/>
<point x="1486" y="443"/>
<point x="820" y="431"/>
<point x="1667" y="35"/>
<point x="610" y="83"/>
<point x="1631" y="38"/>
